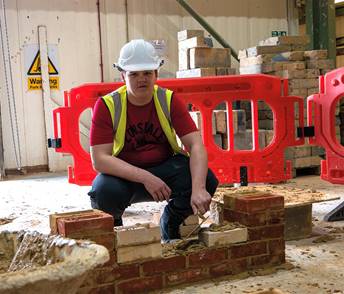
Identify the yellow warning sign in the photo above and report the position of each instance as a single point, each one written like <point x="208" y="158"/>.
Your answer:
<point x="35" y="67"/>
<point x="35" y="83"/>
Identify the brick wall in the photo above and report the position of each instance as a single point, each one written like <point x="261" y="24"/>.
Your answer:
<point x="262" y="214"/>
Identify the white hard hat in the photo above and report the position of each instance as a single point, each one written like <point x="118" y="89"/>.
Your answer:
<point x="138" y="55"/>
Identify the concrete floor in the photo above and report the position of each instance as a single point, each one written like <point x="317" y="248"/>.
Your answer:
<point x="312" y="267"/>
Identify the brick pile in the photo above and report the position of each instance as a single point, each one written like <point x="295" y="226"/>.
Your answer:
<point x="259" y="245"/>
<point x="287" y="57"/>
<point x="198" y="58"/>
<point x="220" y="130"/>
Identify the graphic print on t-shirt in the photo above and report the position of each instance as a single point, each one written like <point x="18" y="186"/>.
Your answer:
<point x="142" y="134"/>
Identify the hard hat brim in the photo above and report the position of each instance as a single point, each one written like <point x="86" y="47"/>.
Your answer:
<point x="138" y="67"/>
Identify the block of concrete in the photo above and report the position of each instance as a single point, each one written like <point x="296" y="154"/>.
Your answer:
<point x="298" y="92"/>
<point x="192" y="219"/>
<point x="312" y="73"/>
<point x="297" y="152"/>
<point x="139" y="252"/>
<point x="137" y="234"/>
<point x="219" y="238"/>
<point x="298" y="222"/>
<point x="316" y="54"/>
<point x="223" y="71"/>
<point x="243" y="140"/>
<point x="303" y="162"/>
<point x="320" y="63"/>
<point x="196" y="72"/>
<point x="291" y="74"/>
<point x="183" y="60"/>
<point x="317" y="151"/>
<point x="209" y="57"/>
<point x="197" y="118"/>
<point x="185" y="230"/>
<point x="286" y="40"/>
<point x="242" y="54"/>
<point x="255" y="69"/>
<point x="221" y="121"/>
<point x="187" y="34"/>
<point x="312" y="91"/>
<point x="303" y="83"/>
<point x="295" y="65"/>
<point x="195" y="42"/>
<point x="269" y="134"/>
<point x="266" y="124"/>
<point x="260" y="59"/>
<point x="266" y="49"/>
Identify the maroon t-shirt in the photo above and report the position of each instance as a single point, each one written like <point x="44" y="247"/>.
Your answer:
<point x="145" y="142"/>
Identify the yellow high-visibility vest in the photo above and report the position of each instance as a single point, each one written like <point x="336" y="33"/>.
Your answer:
<point x="116" y="102"/>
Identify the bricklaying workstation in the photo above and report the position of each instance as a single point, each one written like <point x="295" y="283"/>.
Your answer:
<point x="271" y="117"/>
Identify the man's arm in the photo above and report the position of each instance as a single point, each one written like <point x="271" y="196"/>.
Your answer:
<point x="104" y="162"/>
<point x="200" y="198"/>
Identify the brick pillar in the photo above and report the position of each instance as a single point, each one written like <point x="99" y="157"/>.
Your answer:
<point x="263" y="215"/>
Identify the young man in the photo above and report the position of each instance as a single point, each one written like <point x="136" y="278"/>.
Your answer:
<point x="135" y="151"/>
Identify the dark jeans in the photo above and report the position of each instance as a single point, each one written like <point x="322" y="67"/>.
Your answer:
<point x="113" y="195"/>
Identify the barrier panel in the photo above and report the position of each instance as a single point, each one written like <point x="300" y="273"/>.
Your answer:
<point x="321" y="113"/>
<point x="263" y="164"/>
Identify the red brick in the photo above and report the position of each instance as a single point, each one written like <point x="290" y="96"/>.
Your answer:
<point x="207" y="257"/>
<point x="247" y="219"/>
<point x="250" y="249"/>
<point x="107" y="239"/>
<point x="277" y="259"/>
<point x="268" y="232"/>
<point x="140" y="285"/>
<point x="275" y="217"/>
<point x="258" y="203"/>
<point x="123" y="272"/>
<point x="98" y="276"/>
<point x="164" y="265"/>
<point x="276" y="246"/>
<point x="108" y="289"/>
<point x="187" y="276"/>
<point x="259" y="261"/>
<point x="231" y="267"/>
<point x="112" y="260"/>
<point x="98" y="221"/>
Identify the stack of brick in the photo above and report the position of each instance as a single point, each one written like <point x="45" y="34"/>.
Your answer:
<point x="286" y="57"/>
<point x="220" y="130"/>
<point x="198" y="58"/>
<point x="137" y="242"/>
<point x="264" y="248"/>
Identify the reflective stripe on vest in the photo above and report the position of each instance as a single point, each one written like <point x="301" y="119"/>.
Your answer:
<point x="116" y="102"/>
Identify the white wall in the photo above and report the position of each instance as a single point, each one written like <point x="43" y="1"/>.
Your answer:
<point x="72" y="25"/>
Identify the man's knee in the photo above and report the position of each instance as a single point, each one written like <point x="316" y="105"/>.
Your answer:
<point x="110" y="194"/>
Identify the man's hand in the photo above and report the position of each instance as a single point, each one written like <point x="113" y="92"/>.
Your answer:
<point x="200" y="201"/>
<point x="157" y="188"/>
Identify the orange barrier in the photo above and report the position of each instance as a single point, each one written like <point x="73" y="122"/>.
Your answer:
<point x="263" y="164"/>
<point x="323" y="107"/>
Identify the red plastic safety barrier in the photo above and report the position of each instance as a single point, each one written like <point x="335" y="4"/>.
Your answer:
<point x="263" y="164"/>
<point x="323" y="107"/>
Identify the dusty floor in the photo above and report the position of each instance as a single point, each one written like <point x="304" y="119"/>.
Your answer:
<point x="312" y="266"/>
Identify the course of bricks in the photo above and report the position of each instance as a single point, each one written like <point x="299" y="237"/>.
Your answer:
<point x="263" y="215"/>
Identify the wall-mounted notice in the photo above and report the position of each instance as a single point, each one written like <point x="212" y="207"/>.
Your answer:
<point x="33" y="67"/>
